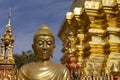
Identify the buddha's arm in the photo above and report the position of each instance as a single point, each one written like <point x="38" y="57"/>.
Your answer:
<point x="21" y="75"/>
<point x="66" y="75"/>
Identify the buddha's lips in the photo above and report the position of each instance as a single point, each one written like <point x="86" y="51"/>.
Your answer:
<point x="45" y="51"/>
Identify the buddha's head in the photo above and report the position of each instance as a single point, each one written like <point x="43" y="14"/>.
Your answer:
<point x="43" y="43"/>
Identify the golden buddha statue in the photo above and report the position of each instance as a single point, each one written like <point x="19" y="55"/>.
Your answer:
<point x="43" y="68"/>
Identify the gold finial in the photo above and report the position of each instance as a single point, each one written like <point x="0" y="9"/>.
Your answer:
<point x="9" y="15"/>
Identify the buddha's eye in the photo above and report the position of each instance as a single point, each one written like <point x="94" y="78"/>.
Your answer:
<point x="49" y="43"/>
<point x="40" y="43"/>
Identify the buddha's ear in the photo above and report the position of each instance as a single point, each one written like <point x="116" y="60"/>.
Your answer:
<point x="54" y="46"/>
<point x="33" y="46"/>
<point x="53" y="50"/>
<point x="52" y="55"/>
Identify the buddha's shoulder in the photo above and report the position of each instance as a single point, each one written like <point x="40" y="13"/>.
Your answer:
<point x="38" y="65"/>
<point x="28" y="65"/>
<point x="58" y="65"/>
<point x="52" y="66"/>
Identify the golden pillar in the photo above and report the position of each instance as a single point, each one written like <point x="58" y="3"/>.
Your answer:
<point x="82" y="37"/>
<point x="112" y="12"/>
<point x="65" y="30"/>
<point x="95" y="63"/>
<point x="71" y="37"/>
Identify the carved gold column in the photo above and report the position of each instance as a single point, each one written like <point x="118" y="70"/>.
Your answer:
<point x="63" y="35"/>
<point x="72" y="22"/>
<point x="73" y="25"/>
<point x="65" y="51"/>
<point x="98" y="44"/>
<point x="82" y="36"/>
<point x="112" y="12"/>
<point x="118" y="2"/>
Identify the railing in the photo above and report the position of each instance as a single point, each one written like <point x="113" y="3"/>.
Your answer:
<point x="96" y="78"/>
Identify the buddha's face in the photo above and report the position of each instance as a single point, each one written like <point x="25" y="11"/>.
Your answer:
<point x="43" y="47"/>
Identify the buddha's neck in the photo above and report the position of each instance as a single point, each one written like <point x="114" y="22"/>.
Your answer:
<point x="43" y="60"/>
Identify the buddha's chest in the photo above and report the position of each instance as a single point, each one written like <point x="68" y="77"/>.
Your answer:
<point x="43" y="74"/>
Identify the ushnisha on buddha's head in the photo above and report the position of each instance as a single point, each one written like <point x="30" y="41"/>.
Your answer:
<point x="43" y="43"/>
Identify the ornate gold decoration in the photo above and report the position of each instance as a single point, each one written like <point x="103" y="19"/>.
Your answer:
<point x="93" y="5"/>
<point x="83" y="25"/>
<point x="112" y="12"/>
<point x="70" y="17"/>
<point x="7" y="63"/>
<point x="98" y="34"/>
<point x="96" y="29"/>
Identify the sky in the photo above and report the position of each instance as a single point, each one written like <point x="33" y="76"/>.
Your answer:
<point x="28" y="15"/>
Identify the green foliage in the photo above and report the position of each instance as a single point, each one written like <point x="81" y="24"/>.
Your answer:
<point x="24" y="58"/>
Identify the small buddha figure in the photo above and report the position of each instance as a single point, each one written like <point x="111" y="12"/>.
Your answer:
<point x="43" y="69"/>
<point x="73" y="67"/>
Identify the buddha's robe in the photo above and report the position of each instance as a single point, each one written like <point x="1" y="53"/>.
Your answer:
<point x="43" y="71"/>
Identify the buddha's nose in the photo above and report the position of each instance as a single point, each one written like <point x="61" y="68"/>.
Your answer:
<point x="45" y="46"/>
